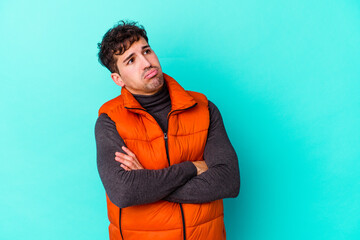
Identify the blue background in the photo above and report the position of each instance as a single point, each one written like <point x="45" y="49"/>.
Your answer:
<point x="284" y="74"/>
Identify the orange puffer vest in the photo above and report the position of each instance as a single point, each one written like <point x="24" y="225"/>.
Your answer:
<point x="188" y="123"/>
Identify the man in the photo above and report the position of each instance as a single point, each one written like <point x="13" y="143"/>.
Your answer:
<point x="163" y="154"/>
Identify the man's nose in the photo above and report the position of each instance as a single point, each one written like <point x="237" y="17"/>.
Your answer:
<point x="145" y="62"/>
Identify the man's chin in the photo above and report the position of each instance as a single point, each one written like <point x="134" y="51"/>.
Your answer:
<point x="157" y="83"/>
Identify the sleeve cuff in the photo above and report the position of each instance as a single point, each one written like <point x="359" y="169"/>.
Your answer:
<point x="189" y="168"/>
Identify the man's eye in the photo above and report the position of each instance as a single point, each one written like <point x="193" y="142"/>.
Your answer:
<point x="147" y="51"/>
<point x="130" y="61"/>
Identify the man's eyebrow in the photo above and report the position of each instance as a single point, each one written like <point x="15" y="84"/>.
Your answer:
<point x="128" y="57"/>
<point x="143" y="47"/>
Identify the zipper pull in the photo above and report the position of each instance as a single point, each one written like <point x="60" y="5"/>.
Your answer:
<point x="165" y="136"/>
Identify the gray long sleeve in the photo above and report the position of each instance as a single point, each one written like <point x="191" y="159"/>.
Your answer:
<point x="222" y="179"/>
<point x="177" y="183"/>
<point x="127" y="188"/>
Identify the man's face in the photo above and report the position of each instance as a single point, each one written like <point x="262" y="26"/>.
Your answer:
<point x="140" y="70"/>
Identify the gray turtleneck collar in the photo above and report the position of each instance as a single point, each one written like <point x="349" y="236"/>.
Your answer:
<point x="158" y="105"/>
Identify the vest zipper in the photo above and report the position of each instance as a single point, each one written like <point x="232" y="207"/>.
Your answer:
<point x="166" y="147"/>
<point x="181" y="208"/>
<point x="168" y="158"/>
<point x="183" y="220"/>
<point x="120" y="224"/>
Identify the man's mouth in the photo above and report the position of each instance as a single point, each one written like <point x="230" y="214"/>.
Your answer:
<point x="151" y="73"/>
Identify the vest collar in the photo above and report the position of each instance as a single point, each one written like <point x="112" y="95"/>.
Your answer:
<point x="180" y="99"/>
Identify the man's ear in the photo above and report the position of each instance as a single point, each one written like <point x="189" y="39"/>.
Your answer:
<point x="117" y="79"/>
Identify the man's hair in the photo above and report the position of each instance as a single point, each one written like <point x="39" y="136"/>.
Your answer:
<point x="117" y="40"/>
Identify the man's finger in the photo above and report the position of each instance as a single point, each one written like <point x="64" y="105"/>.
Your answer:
<point x="121" y="155"/>
<point x="129" y="163"/>
<point x="130" y="153"/>
<point x="125" y="167"/>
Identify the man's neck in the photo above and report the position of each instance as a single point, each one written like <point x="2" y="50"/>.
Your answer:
<point x="155" y="101"/>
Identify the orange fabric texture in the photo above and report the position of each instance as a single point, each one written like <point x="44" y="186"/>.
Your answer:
<point x="188" y="123"/>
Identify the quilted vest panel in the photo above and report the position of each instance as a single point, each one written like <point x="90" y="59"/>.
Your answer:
<point x="186" y="142"/>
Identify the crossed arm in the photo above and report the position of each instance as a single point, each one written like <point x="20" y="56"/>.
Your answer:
<point x="129" y="161"/>
<point x="127" y="183"/>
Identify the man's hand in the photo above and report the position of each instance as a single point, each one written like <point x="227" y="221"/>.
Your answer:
<point x="128" y="161"/>
<point x="200" y="167"/>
